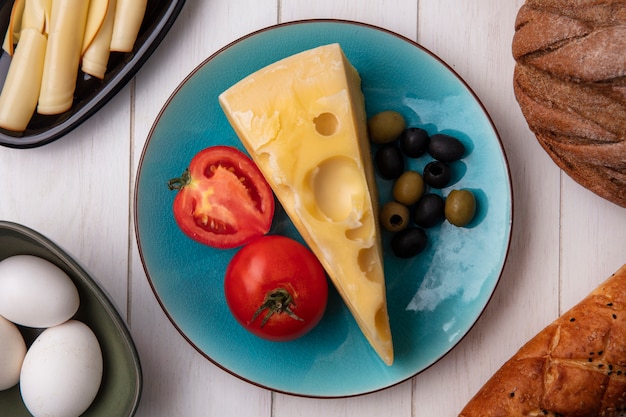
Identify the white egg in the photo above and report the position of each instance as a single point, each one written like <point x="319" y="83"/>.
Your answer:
<point x="12" y="351"/>
<point x="62" y="371"/>
<point x="36" y="293"/>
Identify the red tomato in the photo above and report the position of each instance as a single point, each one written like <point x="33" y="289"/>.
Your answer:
<point x="276" y="288"/>
<point x="223" y="199"/>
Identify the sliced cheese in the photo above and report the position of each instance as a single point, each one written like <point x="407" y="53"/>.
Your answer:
<point x="302" y="120"/>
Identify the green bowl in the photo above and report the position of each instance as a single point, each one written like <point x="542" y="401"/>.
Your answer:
<point x="121" y="385"/>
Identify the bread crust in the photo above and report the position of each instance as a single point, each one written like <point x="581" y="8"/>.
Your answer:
<point x="570" y="83"/>
<point x="574" y="367"/>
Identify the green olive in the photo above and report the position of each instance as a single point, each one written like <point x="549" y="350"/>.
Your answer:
<point x="386" y="126"/>
<point x="460" y="207"/>
<point x="394" y="216"/>
<point x="408" y="188"/>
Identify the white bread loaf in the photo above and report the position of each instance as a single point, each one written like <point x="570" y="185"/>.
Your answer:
<point x="575" y="367"/>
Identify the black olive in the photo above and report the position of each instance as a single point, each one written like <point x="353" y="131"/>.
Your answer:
<point x="409" y="242"/>
<point x="445" y="148"/>
<point x="389" y="161"/>
<point x="437" y="174"/>
<point x="414" y="142"/>
<point x="429" y="210"/>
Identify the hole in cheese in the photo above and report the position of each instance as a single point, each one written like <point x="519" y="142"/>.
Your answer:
<point x="367" y="261"/>
<point x="365" y="232"/>
<point x="336" y="185"/>
<point x="326" y="124"/>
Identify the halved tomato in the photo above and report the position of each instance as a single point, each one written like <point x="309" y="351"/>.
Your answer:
<point x="223" y="199"/>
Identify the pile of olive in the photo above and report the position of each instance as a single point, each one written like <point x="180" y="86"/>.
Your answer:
<point x="415" y="206"/>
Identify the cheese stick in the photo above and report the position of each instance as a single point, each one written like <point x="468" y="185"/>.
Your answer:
<point x="96" y="16"/>
<point x="575" y="367"/>
<point x="26" y="14"/>
<point x="35" y="15"/>
<point x="128" y="17"/>
<point x="65" y="40"/>
<point x="97" y="50"/>
<point x="15" y="25"/>
<point x="20" y="92"/>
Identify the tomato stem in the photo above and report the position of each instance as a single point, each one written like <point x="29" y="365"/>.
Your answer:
<point x="277" y="301"/>
<point x="179" y="182"/>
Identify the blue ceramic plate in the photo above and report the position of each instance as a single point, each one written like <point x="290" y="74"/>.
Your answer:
<point x="434" y="298"/>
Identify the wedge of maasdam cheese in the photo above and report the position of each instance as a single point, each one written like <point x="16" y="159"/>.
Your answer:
<point x="302" y="120"/>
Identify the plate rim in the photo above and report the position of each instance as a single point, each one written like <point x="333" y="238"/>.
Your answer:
<point x="192" y="73"/>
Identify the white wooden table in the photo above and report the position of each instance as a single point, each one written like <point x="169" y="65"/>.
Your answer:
<point x="78" y="191"/>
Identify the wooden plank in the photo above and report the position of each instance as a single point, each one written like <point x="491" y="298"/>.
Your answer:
<point x="75" y="192"/>
<point x="593" y="242"/>
<point x="399" y="16"/>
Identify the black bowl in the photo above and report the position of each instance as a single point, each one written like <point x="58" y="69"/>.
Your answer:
<point x="91" y="93"/>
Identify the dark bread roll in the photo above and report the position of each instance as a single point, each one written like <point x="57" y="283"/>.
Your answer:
<point x="570" y="83"/>
<point x="575" y="367"/>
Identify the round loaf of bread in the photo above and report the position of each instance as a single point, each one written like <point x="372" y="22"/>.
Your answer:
<point x="570" y="83"/>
